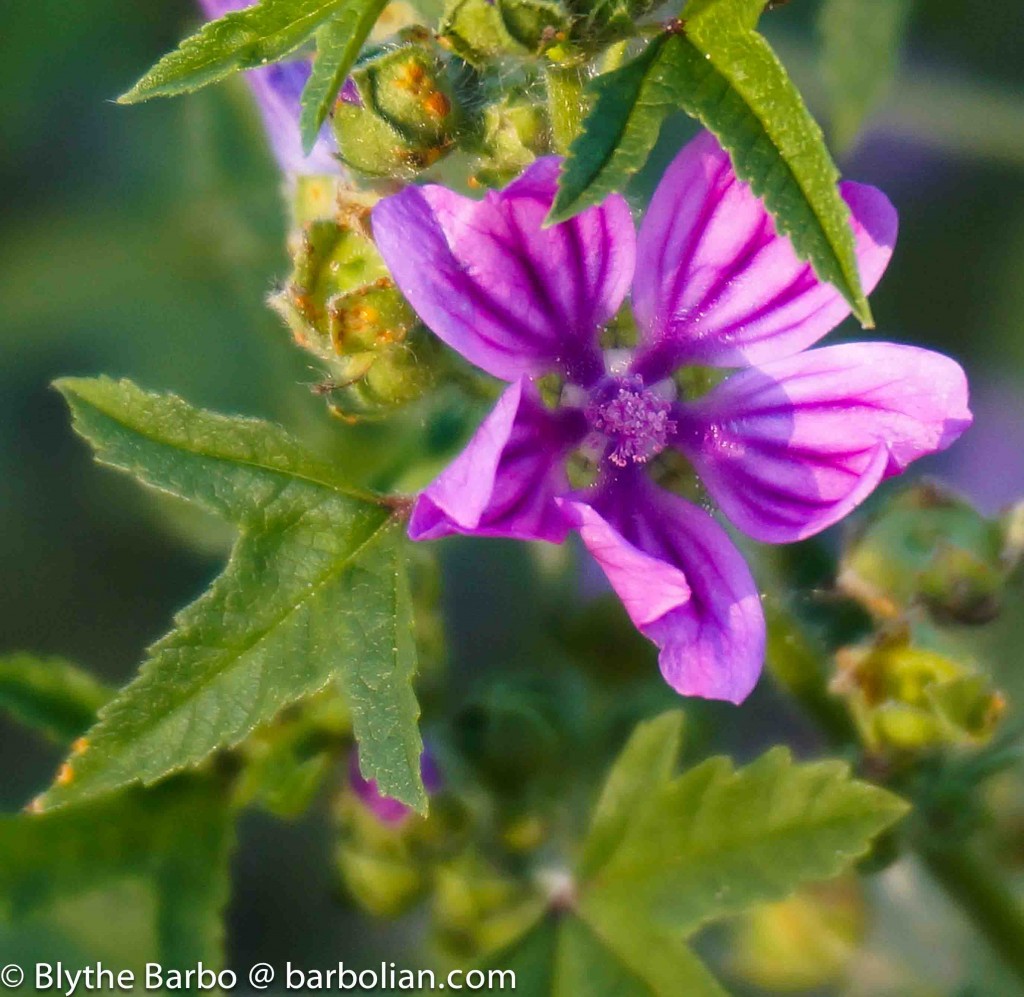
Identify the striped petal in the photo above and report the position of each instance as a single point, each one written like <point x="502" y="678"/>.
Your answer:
<point x="789" y="448"/>
<point x="716" y="285"/>
<point x="511" y="296"/>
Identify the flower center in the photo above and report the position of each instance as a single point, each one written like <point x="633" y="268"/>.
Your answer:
<point x="633" y="418"/>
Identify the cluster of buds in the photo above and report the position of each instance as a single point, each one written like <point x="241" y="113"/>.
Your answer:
<point x="342" y="306"/>
<point x="927" y="562"/>
<point x="930" y="549"/>
<point x="390" y="859"/>
<point x="385" y="850"/>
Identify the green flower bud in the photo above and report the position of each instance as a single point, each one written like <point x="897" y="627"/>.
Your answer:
<point x="480" y="31"/>
<point x="906" y="697"/>
<point x="803" y="943"/>
<point x="599" y="22"/>
<point x="927" y="546"/>
<point x="343" y="307"/>
<point x="515" y="132"/>
<point x="402" y="115"/>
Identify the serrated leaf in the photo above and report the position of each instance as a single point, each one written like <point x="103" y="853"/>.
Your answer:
<point x="175" y="840"/>
<point x="622" y="955"/>
<point x="242" y="39"/>
<point x="564" y="956"/>
<point x="337" y="46"/>
<point x="645" y="764"/>
<point x="314" y="593"/>
<point x="716" y="841"/>
<point x="50" y="694"/>
<point x="860" y="45"/>
<point x="720" y="71"/>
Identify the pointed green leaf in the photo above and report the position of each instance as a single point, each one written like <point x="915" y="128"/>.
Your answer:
<point x="337" y="45"/>
<point x="564" y="955"/>
<point x="715" y="841"/>
<point x="860" y="45"/>
<point x="50" y="694"/>
<point x="242" y="39"/>
<point x="645" y="765"/>
<point x="628" y="106"/>
<point x="174" y="840"/>
<point x="626" y="956"/>
<point x="314" y="593"/>
<point x="720" y="71"/>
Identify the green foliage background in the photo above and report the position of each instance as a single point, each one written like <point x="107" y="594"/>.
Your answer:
<point x="141" y="243"/>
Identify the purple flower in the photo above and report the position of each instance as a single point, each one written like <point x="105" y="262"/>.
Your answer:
<point x="786" y="446"/>
<point x="277" y="89"/>
<point x="387" y="809"/>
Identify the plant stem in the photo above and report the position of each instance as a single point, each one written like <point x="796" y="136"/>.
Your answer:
<point x="795" y="662"/>
<point x="566" y="104"/>
<point x="977" y="889"/>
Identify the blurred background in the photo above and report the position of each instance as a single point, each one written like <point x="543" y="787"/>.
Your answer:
<point x="141" y="242"/>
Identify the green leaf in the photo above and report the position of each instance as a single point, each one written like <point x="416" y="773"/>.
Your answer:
<point x="563" y="956"/>
<point x="242" y="39"/>
<point x="50" y="694"/>
<point x="337" y="45"/>
<point x="629" y="105"/>
<point x="860" y="45"/>
<point x="174" y="840"/>
<point x="723" y="73"/>
<point x="645" y="764"/>
<point x="314" y="593"/>
<point x="624" y="956"/>
<point x="665" y="855"/>
<point x="716" y="841"/>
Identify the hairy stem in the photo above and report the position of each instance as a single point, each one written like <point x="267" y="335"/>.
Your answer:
<point x="796" y="662"/>
<point x="566" y="104"/>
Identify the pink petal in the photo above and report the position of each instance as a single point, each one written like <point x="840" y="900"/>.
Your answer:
<point x="683" y="583"/>
<point x="789" y="448"/>
<point x="714" y="283"/>
<point x="510" y="296"/>
<point x="505" y="482"/>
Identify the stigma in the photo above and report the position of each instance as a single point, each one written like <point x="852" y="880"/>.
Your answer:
<point x="634" y="420"/>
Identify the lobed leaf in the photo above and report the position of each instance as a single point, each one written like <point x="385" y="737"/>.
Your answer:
<point x="860" y="45"/>
<point x="716" y="841"/>
<point x="720" y="71"/>
<point x="242" y="39"/>
<point x="314" y="593"/>
<point x="50" y="694"/>
<point x="338" y="44"/>
<point x="665" y="855"/>
<point x="564" y="955"/>
<point x="645" y="764"/>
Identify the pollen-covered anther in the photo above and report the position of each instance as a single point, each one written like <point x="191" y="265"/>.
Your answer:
<point x="633" y="418"/>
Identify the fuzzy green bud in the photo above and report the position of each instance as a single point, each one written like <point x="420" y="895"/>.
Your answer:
<point x="515" y="132"/>
<point x="403" y="115"/>
<point x="599" y="22"/>
<point x="342" y="307"/>
<point x="481" y="31"/>
<point x="930" y="547"/>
